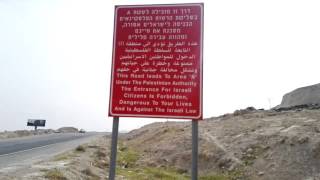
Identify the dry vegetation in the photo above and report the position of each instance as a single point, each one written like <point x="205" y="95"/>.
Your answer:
<point x="23" y="133"/>
<point x="54" y="174"/>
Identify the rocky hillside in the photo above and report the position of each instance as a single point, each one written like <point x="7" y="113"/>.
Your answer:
<point x="301" y="96"/>
<point x="248" y="144"/>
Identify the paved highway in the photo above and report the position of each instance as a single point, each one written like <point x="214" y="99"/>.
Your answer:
<point x="26" y="150"/>
<point x="21" y="144"/>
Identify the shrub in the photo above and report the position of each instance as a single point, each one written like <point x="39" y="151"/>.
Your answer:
<point x="80" y="148"/>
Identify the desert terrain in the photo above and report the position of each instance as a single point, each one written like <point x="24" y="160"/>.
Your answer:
<point x="247" y="144"/>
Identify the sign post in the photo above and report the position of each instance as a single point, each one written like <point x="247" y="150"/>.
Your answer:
<point x="194" y="168"/>
<point x="114" y="142"/>
<point x="157" y="65"/>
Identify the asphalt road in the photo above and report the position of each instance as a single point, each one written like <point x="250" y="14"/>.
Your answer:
<point x="29" y="149"/>
<point x="22" y="144"/>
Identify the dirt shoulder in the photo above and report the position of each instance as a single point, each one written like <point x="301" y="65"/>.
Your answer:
<point x="71" y="164"/>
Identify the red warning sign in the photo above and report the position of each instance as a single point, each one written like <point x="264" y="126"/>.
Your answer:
<point x="157" y="61"/>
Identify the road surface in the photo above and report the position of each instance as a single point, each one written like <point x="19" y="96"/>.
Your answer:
<point x="24" y="151"/>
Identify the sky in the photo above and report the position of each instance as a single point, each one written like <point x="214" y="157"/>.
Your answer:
<point x="55" y="58"/>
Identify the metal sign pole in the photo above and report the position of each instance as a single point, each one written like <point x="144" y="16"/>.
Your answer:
<point x="194" y="170"/>
<point x="114" y="142"/>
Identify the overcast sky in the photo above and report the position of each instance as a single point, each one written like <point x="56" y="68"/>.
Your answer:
<point x="55" y="58"/>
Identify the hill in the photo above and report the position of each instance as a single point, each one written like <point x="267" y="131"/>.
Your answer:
<point x="248" y="144"/>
